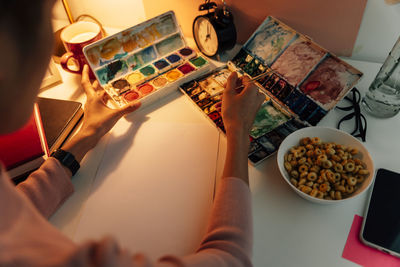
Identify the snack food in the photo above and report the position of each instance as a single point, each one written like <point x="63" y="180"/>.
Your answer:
<point x="325" y="170"/>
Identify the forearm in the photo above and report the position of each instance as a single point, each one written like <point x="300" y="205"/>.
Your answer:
<point x="236" y="156"/>
<point x="48" y="187"/>
<point x="229" y="237"/>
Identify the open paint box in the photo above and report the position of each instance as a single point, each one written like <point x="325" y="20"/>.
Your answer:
<point x="303" y="82"/>
<point x="145" y="62"/>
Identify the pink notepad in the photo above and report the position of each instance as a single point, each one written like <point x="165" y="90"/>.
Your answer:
<point x="359" y="253"/>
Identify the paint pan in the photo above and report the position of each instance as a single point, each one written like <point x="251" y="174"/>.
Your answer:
<point x="278" y="87"/>
<point x="200" y="96"/>
<point x="131" y="96"/>
<point x="121" y="86"/>
<point x="148" y="72"/>
<point x="239" y="58"/>
<point x="316" y="116"/>
<point x="221" y="76"/>
<point x="211" y="86"/>
<point x="266" y="144"/>
<point x="274" y="138"/>
<point x="309" y="108"/>
<point x="252" y="67"/>
<point x="112" y="71"/>
<point x="271" y="82"/>
<point x="285" y="92"/>
<point x="173" y="75"/>
<point x="145" y="89"/>
<point x="159" y="82"/>
<point x="198" y="61"/>
<point x="162" y="65"/>
<point x="135" y="78"/>
<point x="186" y="68"/>
<point x="206" y="102"/>
<point x="187" y="52"/>
<point x="174" y="59"/>
<point x="254" y="146"/>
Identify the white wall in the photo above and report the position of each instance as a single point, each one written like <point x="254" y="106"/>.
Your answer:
<point x="380" y="26"/>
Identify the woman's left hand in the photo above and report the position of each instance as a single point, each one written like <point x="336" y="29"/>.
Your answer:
<point x="98" y="118"/>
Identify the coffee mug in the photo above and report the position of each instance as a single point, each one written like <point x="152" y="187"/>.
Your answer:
<point x="74" y="37"/>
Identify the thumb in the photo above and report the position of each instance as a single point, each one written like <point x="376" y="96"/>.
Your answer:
<point x="231" y="83"/>
<point x="129" y="108"/>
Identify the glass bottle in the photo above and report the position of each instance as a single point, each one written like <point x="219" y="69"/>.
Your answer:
<point x="383" y="96"/>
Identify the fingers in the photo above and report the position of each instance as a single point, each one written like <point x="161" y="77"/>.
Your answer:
<point x="231" y="83"/>
<point x="87" y="86"/>
<point x="129" y="108"/>
<point x="96" y="86"/>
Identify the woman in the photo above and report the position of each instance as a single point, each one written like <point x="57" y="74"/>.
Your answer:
<point x="26" y="237"/>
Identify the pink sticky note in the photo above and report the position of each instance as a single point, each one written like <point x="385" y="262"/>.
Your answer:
<point x="359" y="253"/>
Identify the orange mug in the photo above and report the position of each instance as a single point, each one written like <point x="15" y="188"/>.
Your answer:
<point x="74" y="37"/>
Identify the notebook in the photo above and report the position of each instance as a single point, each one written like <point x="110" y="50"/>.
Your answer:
<point x="59" y="119"/>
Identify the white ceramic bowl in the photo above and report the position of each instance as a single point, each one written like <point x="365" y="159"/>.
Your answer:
<point x="326" y="135"/>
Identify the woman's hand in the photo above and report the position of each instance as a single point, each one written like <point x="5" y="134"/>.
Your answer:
<point x="98" y="118"/>
<point x="240" y="108"/>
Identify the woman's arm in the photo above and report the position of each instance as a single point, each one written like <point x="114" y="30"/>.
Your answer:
<point x="228" y="241"/>
<point x="50" y="185"/>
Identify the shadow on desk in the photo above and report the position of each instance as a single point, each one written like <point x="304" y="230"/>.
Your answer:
<point x="120" y="144"/>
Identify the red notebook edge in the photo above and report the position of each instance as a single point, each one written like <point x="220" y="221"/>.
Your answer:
<point x="29" y="160"/>
<point x="42" y="135"/>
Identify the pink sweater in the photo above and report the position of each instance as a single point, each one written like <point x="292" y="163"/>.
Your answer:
<point x="28" y="239"/>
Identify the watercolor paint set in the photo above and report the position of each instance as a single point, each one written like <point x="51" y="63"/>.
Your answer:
<point x="146" y="61"/>
<point x="301" y="81"/>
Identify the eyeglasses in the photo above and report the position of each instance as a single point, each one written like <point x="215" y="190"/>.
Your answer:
<point x="360" y="127"/>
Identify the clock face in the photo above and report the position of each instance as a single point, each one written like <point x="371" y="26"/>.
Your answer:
<point x="205" y="36"/>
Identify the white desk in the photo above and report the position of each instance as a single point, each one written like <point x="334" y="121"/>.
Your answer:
<point x="288" y="230"/>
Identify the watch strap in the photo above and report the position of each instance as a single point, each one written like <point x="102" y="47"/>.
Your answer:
<point x="67" y="160"/>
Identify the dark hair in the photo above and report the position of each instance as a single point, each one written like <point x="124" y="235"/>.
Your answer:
<point x="23" y="19"/>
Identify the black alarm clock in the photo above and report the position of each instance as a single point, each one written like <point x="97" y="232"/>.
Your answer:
<point x="214" y="32"/>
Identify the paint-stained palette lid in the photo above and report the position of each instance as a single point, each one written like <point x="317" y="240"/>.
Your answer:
<point x="312" y="73"/>
<point x="135" y="47"/>
<point x="269" y="40"/>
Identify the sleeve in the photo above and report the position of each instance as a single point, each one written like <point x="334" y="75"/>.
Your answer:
<point x="229" y="238"/>
<point x="48" y="187"/>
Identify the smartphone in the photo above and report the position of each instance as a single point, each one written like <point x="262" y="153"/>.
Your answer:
<point x="381" y="225"/>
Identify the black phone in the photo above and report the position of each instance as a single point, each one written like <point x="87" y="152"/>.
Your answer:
<point x="381" y="225"/>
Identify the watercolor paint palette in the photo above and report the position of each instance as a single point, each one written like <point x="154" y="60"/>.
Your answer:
<point x="302" y="83"/>
<point x="145" y="62"/>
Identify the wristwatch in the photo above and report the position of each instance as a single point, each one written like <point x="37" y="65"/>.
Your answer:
<point x="67" y="160"/>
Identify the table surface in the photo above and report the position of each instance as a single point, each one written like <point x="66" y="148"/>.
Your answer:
<point x="288" y="230"/>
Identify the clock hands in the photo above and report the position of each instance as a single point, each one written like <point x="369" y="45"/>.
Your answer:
<point x="208" y="36"/>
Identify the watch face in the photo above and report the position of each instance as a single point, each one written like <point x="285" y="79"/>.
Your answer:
<point x="205" y="36"/>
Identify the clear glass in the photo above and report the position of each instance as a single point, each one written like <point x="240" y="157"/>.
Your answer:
<point x="383" y="96"/>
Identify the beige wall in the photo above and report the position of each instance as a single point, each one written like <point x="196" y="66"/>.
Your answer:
<point x="332" y="24"/>
<point x="115" y="14"/>
<point x="378" y="32"/>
